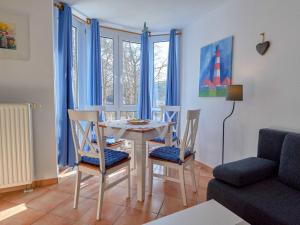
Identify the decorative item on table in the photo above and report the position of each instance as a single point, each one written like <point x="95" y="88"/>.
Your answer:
<point x="138" y="122"/>
<point x="234" y="93"/>
<point x="216" y="68"/>
<point x="262" y="47"/>
<point x="14" y="35"/>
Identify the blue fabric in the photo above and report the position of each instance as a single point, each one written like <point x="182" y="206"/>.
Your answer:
<point x="112" y="157"/>
<point x="94" y="81"/>
<point x="163" y="140"/>
<point x="144" y="104"/>
<point x="63" y="88"/>
<point x="169" y="153"/>
<point x="173" y="80"/>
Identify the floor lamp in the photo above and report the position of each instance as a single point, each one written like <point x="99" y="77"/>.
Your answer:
<point x="234" y="93"/>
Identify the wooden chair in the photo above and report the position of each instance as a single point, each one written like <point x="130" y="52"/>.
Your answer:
<point x="169" y="114"/>
<point x="111" y="142"/>
<point x="178" y="158"/>
<point x="93" y="158"/>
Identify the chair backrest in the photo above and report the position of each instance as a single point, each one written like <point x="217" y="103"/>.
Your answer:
<point x="98" y="108"/>
<point x="188" y="141"/>
<point x="81" y="125"/>
<point x="171" y="114"/>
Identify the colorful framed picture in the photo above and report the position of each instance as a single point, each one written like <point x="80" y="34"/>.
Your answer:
<point x="14" y="35"/>
<point x="216" y="68"/>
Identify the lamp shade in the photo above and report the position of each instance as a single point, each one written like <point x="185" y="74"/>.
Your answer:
<point x="234" y="92"/>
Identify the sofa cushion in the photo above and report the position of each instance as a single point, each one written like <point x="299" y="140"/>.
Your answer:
<point x="289" y="169"/>
<point x="270" y="144"/>
<point x="269" y="202"/>
<point x="246" y="171"/>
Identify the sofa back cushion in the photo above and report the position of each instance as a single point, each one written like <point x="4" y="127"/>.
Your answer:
<point x="289" y="167"/>
<point x="270" y="143"/>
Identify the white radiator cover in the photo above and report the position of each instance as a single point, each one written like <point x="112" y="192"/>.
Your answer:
<point x="16" y="145"/>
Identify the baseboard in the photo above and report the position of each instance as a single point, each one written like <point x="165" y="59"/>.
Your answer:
<point x="35" y="184"/>
<point x="203" y="165"/>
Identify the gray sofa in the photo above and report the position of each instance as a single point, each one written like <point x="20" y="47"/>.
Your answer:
<point x="263" y="190"/>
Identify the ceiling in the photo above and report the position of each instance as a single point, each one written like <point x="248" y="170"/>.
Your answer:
<point x="160" y="15"/>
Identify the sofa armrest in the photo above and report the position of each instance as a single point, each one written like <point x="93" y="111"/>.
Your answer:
<point x="246" y="171"/>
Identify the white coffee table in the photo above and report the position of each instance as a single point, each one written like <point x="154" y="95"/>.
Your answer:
<point x="207" y="213"/>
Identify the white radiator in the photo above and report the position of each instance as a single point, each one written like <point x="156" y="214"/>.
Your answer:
<point x="16" y="147"/>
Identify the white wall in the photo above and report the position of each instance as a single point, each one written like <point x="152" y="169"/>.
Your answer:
<point x="271" y="82"/>
<point x="32" y="81"/>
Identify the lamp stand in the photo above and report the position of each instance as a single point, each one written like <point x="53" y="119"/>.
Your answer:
<point x="223" y="138"/>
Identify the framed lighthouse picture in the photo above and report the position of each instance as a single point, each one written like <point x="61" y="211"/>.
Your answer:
<point x="216" y="68"/>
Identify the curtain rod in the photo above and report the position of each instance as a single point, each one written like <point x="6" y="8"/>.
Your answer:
<point x="60" y="6"/>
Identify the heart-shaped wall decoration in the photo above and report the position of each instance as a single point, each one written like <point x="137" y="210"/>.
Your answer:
<point x="263" y="47"/>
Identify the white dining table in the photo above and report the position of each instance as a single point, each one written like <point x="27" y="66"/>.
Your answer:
<point x="139" y="134"/>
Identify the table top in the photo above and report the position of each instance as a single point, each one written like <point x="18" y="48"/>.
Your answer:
<point x="123" y="124"/>
<point x="207" y="213"/>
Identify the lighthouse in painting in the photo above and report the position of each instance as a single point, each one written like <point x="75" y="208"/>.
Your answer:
<point x="215" y="68"/>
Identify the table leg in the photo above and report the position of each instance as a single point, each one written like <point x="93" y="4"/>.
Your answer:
<point x="140" y="151"/>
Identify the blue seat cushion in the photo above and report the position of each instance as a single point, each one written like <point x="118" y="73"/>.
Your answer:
<point x="169" y="153"/>
<point x="112" y="158"/>
<point x="163" y="140"/>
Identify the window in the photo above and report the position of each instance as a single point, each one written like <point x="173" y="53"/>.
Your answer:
<point x="75" y="64"/>
<point x="159" y="52"/>
<point x="107" y="59"/>
<point x="120" y="59"/>
<point x="120" y="65"/>
<point x="160" y="70"/>
<point x="130" y="77"/>
<point x="79" y="61"/>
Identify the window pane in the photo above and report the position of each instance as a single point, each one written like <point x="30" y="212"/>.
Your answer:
<point x="130" y="77"/>
<point x="74" y="64"/>
<point x="107" y="58"/>
<point x="160" y="62"/>
<point x="128" y="115"/>
<point x="110" y="116"/>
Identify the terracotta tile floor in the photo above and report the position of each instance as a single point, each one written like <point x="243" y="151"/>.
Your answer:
<point x="53" y="205"/>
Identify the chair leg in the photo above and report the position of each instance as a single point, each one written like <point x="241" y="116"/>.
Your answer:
<point x="100" y="196"/>
<point x="182" y="185"/>
<point x="193" y="176"/>
<point x="194" y="181"/>
<point x="129" y="178"/>
<point x="77" y="189"/>
<point x="150" y="163"/>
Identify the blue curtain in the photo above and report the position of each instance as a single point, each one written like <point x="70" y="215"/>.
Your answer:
<point x="173" y="82"/>
<point x="63" y="88"/>
<point x="144" y="104"/>
<point x="94" y="82"/>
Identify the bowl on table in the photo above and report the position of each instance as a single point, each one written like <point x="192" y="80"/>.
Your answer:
<point x="138" y="122"/>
